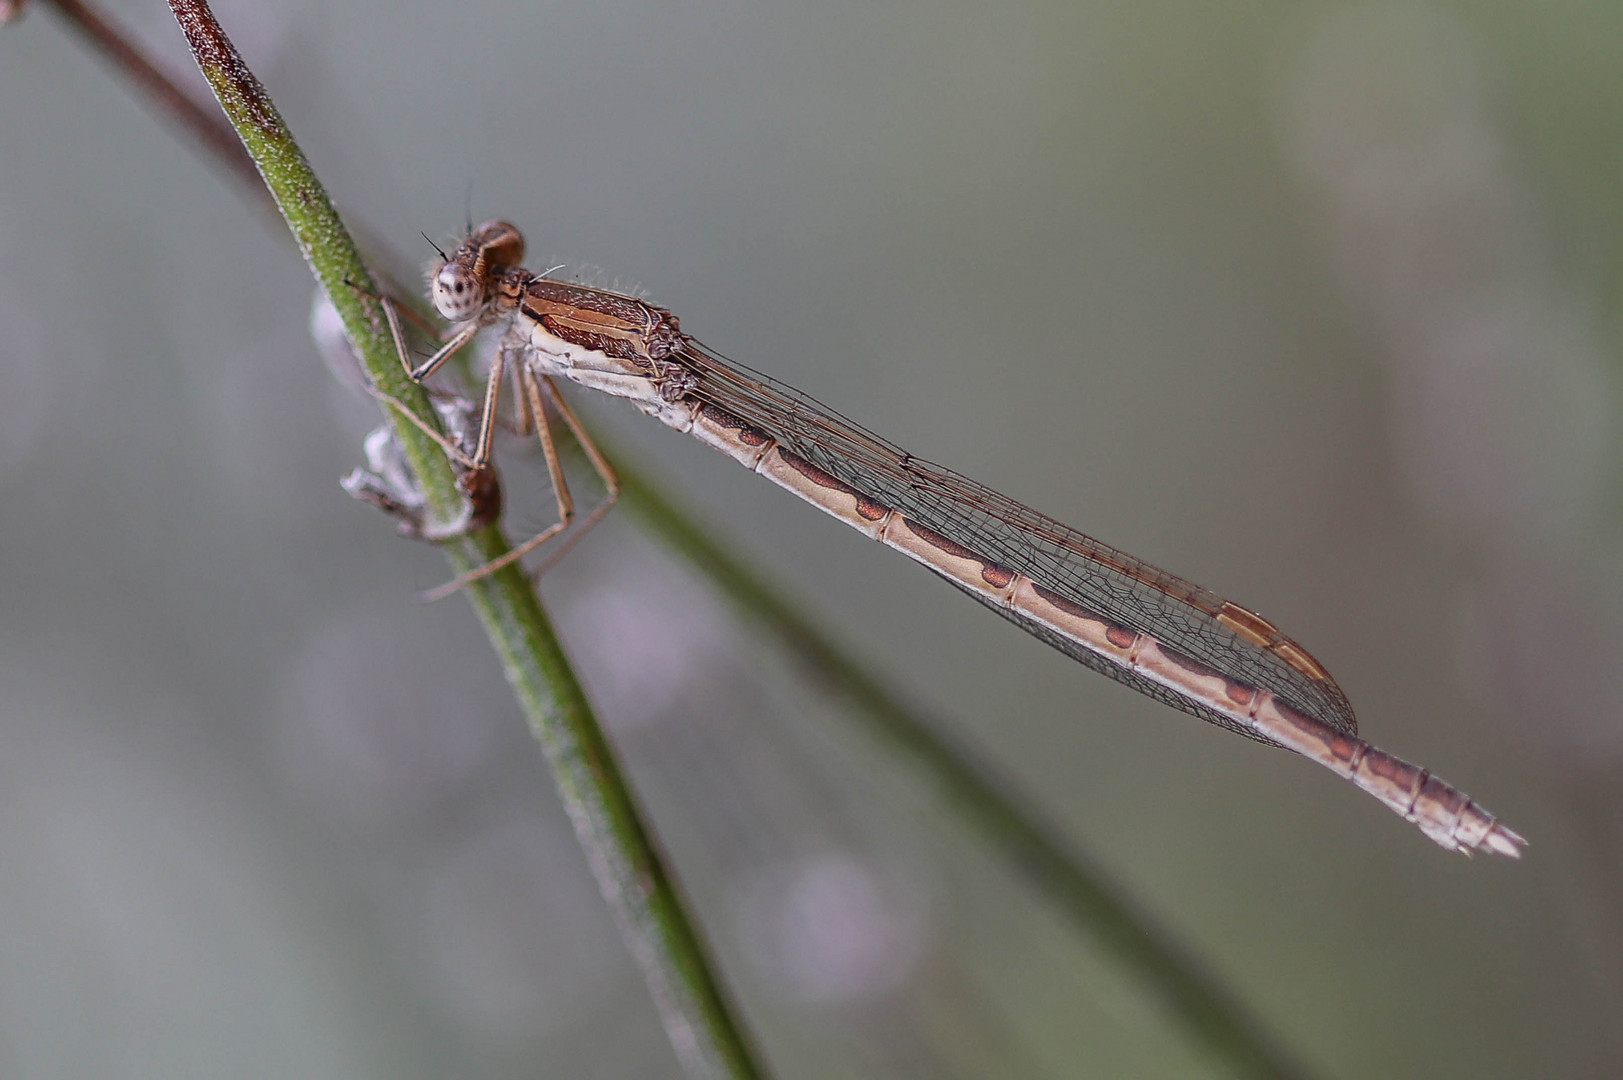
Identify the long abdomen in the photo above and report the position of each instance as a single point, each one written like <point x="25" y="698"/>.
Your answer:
<point x="1442" y="812"/>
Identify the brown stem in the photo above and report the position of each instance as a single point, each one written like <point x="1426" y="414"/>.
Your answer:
<point x="206" y="127"/>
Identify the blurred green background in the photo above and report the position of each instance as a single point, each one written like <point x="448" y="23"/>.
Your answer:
<point x="1312" y="304"/>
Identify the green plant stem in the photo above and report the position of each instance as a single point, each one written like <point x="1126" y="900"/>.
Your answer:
<point x="619" y="848"/>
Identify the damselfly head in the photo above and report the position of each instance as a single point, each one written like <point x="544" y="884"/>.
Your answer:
<point x="459" y="291"/>
<point x="463" y="282"/>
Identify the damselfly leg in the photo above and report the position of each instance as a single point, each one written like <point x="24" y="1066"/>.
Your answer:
<point x="532" y="393"/>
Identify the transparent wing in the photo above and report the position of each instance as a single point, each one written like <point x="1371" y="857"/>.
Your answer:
<point x="1079" y="568"/>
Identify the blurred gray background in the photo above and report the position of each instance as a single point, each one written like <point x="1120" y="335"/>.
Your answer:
<point x="1313" y="304"/>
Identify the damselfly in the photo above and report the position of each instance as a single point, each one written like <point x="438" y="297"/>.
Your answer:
<point x="1157" y="633"/>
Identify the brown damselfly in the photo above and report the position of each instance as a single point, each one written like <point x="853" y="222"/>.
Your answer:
<point x="1157" y="633"/>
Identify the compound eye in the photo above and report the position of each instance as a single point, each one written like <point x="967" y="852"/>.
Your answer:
<point x="457" y="293"/>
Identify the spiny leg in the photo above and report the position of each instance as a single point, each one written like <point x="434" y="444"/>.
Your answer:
<point x="479" y="483"/>
<point x="455" y="452"/>
<point x="523" y="420"/>
<point x="560" y="485"/>
<point x="433" y="363"/>
<point x="487" y="415"/>
<point x="493" y="387"/>
<point x="392" y="488"/>
<point x="411" y="316"/>
<point x="605" y="472"/>
<point x="532" y="384"/>
<point x="392" y="313"/>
